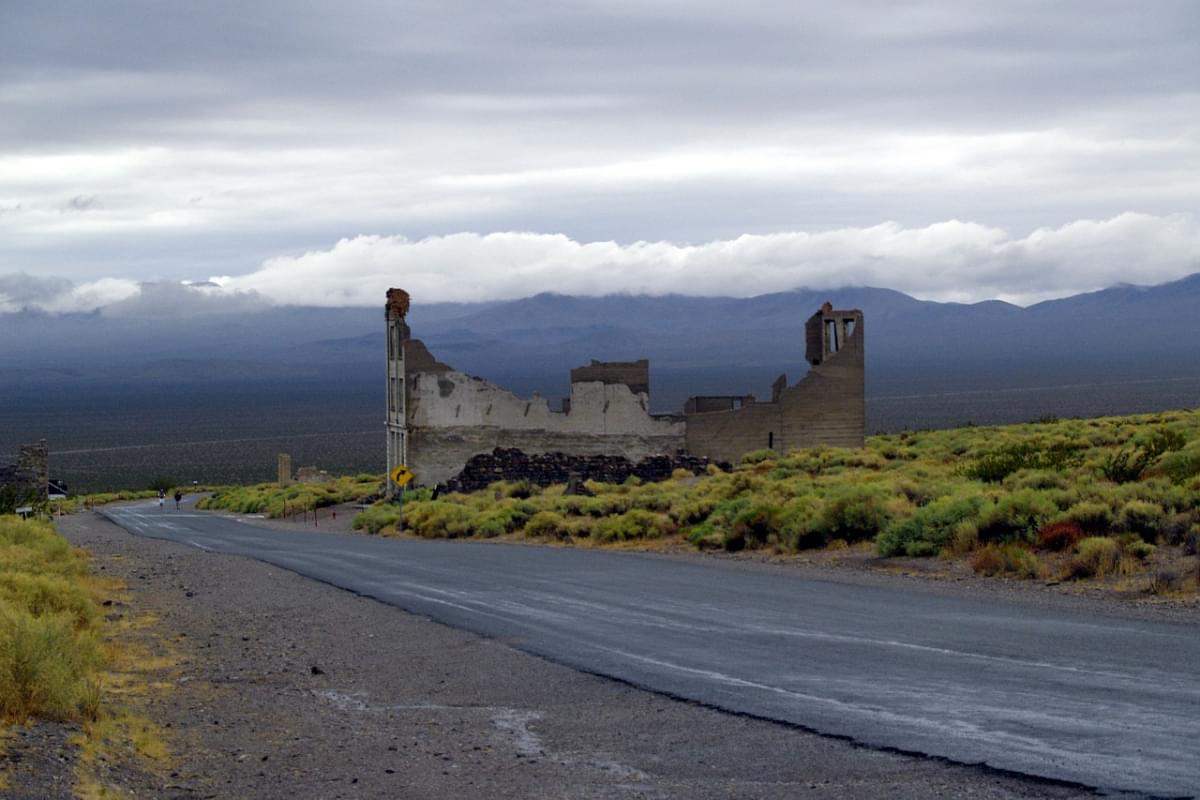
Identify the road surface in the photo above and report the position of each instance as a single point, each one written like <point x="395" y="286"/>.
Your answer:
<point x="1095" y="700"/>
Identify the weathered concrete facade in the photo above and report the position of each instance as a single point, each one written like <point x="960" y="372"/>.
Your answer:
<point x="825" y="407"/>
<point x="438" y="417"/>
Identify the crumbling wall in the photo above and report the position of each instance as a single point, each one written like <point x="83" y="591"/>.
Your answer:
<point x="826" y="407"/>
<point x="634" y="374"/>
<point x="453" y="416"/>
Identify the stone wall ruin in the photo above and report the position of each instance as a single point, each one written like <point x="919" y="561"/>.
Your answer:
<point x="440" y="418"/>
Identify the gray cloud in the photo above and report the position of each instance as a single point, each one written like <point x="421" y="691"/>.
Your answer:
<point x="220" y="135"/>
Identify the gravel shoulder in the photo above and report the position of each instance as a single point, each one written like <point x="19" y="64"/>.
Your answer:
<point x="285" y="687"/>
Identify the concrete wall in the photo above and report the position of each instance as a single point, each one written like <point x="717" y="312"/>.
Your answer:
<point x="826" y="407"/>
<point x="453" y="416"/>
<point x="449" y="416"/>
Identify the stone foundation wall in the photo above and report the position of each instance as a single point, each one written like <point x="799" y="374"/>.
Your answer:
<point x="438" y="454"/>
<point x="547" y="469"/>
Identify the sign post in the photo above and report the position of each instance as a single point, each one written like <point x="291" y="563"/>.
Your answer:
<point x="401" y="476"/>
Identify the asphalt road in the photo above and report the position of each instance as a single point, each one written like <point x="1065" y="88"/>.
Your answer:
<point x="1100" y="701"/>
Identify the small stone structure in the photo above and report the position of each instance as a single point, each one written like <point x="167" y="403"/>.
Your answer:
<point x="438" y="418"/>
<point x="27" y="481"/>
<point x="313" y="475"/>
<point x="284" y="467"/>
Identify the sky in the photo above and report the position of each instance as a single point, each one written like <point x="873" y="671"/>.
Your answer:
<point x="316" y="153"/>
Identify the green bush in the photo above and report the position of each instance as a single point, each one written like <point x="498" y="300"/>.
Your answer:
<point x="1095" y="557"/>
<point x="1092" y="517"/>
<point x="753" y="526"/>
<point x="926" y="532"/>
<point x="800" y="524"/>
<point x="1015" y="516"/>
<point x="49" y="650"/>
<point x="633" y="524"/>
<point x="1182" y="465"/>
<point x="1142" y="518"/>
<point x="377" y="517"/>
<point x="854" y="513"/>
<point x="546" y="524"/>
<point x="997" y="465"/>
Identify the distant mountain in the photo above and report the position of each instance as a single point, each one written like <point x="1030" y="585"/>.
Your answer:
<point x="695" y="345"/>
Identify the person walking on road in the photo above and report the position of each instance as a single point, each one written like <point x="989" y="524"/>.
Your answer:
<point x="178" y="497"/>
<point x="162" y="498"/>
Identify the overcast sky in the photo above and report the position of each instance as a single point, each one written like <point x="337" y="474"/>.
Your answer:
<point x="320" y="152"/>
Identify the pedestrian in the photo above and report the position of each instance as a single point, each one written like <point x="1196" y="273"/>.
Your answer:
<point x="162" y="497"/>
<point x="178" y="497"/>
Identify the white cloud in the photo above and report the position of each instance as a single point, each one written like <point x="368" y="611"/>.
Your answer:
<point x="947" y="261"/>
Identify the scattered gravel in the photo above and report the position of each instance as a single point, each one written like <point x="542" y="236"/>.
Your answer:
<point x="288" y="688"/>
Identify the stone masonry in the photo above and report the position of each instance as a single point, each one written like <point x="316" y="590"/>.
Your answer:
<point x="439" y="418"/>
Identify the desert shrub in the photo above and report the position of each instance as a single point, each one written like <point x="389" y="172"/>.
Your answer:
<point x="1138" y="549"/>
<point x="855" y="513"/>
<point x="1006" y="559"/>
<point x="964" y="538"/>
<point x="753" y="526"/>
<point x="1036" y="479"/>
<point x="681" y="474"/>
<point x="49" y="650"/>
<point x="501" y="518"/>
<point x="1129" y="463"/>
<point x="1175" y="527"/>
<point x="47" y="666"/>
<point x="520" y="490"/>
<point x="45" y="595"/>
<point x="1143" y="518"/>
<point x="277" y="501"/>
<point x="633" y="524"/>
<point x="997" y="465"/>
<point x="1182" y="465"/>
<point x="438" y="519"/>
<point x="759" y="456"/>
<point x="1058" y="536"/>
<point x="1092" y="517"/>
<point x="377" y="517"/>
<point x="546" y="524"/>
<point x="800" y="526"/>
<point x="692" y="509"/>
<point x="1015" y="516"/>
<point x="929" y="528"/>
<point x="1095" y="557"/>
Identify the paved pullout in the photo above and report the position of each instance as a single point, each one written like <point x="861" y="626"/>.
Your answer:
<point x="1085" y="698"/>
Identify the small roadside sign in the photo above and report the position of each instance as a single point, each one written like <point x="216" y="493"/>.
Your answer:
<point x="401" y="475"/>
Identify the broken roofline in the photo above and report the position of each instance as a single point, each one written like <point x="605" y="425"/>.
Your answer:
<point x="827" y="332"/>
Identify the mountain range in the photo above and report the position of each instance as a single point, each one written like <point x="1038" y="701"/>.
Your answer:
<point x="695" y="345"/>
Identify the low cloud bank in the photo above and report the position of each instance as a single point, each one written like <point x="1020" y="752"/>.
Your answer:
<point x="961" y="261"/>
<point x="947" y="261"/>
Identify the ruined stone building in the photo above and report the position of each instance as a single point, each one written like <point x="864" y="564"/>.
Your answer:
<point x="438" y="417"/>
<point x="27" y="481"/>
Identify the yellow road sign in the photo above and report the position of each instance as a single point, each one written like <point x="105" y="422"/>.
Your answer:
<point x="401" y="475"/>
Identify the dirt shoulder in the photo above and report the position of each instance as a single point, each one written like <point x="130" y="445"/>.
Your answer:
<point x="284" y="687"/>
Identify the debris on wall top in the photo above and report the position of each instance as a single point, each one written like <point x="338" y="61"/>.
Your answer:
<point x="398" y="302"/>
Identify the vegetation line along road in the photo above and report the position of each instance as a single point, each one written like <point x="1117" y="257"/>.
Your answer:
<point x="1114" y="500"/>
<point x="69" y="656"/>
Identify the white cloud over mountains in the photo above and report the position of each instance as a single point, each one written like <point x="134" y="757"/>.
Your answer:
<point x="959" y="261"/>
<point x="952" y="260"/>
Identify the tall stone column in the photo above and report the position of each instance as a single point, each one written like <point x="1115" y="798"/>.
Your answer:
<point x="396" y="309"/>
